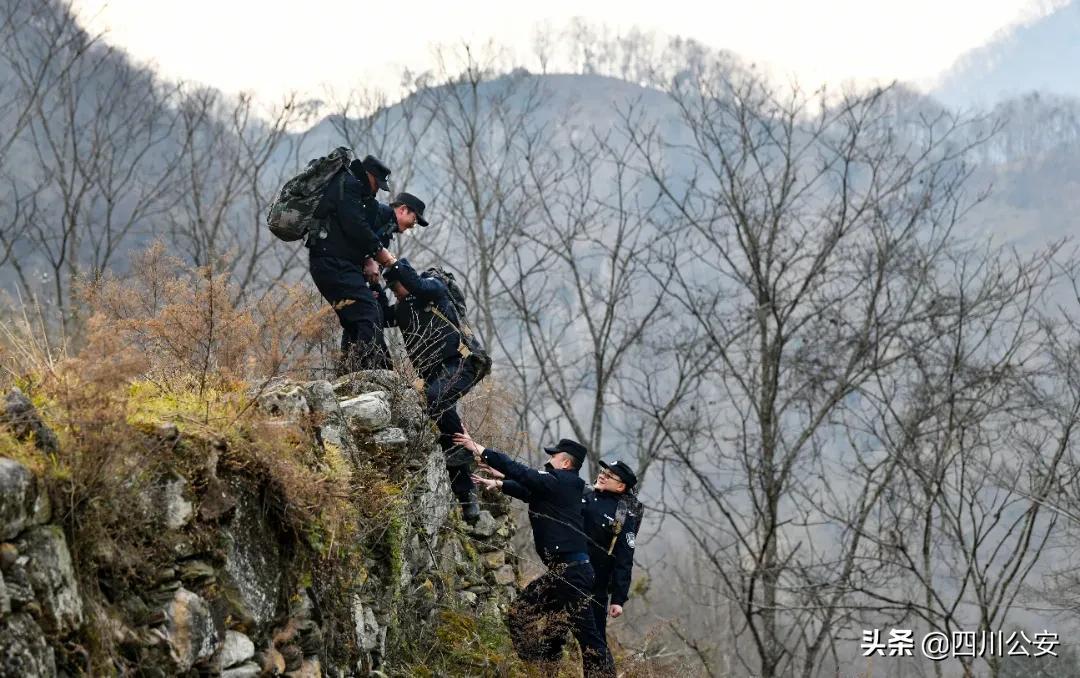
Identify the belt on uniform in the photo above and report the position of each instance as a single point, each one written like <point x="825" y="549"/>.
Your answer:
<point x="571" y="558"/>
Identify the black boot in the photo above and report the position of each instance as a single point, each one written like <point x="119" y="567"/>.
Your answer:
<point x="470" y="507"/>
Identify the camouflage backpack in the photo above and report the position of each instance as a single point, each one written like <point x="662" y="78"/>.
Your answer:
<point x="292" y="214"/>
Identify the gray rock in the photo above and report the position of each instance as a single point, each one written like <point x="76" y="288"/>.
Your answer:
<point x="468" y="598"/>
<point x="5" y="599"/>
<point x="23" y="649"/>
<point x="367" y="412"/>
<point x="333" y="429"/>
<point x="252" y="558"/>
<point x="216" y="502"/>
<point x="485" y="527"/>
<point x="434" y="502"/>
<point x="236" y="649"/>
<point x="17" y="583"/>
<point x="504" y="576"/>
<point x="22" y="418"/>
<point x="22" y="503"/>
<point x="391" y="439"/>
<point x="367" y="628"/>
<point x="189" y="630"/>
<point x="52" y="577"/>
<point x="175" y="509"/>
<point x="452" y="556"/>
<point x="365" y="381"/>
<point x="286" y="400"/>
<point x="493" y="560"/>
<point x="248" y="670"/>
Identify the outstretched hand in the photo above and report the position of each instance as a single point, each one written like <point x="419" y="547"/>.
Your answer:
<point x="466" y="441"/>
<point x="486" y="483"/>
<point x="481" y="466"/>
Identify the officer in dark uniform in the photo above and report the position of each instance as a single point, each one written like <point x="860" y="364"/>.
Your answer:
<point x="429" y="325"/>
<point x="337" y="253"/>
<point x="405" y="212"/>
<point x="559" y="599"/>
<point x="612" y="518"/>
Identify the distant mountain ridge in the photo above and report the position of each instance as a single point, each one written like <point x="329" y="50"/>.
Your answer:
<point x="1041" y="56"/>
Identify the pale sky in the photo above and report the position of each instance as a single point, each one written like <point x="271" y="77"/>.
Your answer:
<point x="270" y="48"/>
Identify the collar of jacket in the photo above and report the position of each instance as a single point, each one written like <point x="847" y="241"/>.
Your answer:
<point x="552" y="469"/>
<point x="608" y="493"/>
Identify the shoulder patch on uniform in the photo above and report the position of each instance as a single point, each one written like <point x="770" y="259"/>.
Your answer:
<point x="631" y="539"/>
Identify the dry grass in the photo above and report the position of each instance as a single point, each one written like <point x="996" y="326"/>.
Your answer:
<point x="169" y="345"/>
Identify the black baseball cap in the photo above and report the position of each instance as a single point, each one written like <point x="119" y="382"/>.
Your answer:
<point x="380" y="171"/>
<point x="571" y="447"/>
<point x="412" y="202"/>
<point x="621" y="469"/>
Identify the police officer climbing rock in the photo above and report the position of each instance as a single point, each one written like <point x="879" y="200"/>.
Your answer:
<point x="432" y="327"/>
<point x="337" y="251"/>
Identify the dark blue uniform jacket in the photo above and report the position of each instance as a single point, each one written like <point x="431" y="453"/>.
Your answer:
<point x="612" y="571"/>
<point x="555" y="502"/>
<point x="429" y="340"/>
<point x="351" y="214"/>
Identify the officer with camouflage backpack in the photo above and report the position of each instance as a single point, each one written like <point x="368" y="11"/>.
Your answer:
<point x="430" y="313"/>
<point x="345" y="238"/>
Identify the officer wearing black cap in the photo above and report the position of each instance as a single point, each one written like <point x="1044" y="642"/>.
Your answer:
<point x="337" y="253"/>
<point x="405" y="212"/>
<point x="430" y="327"/>
<point x="560" y="597"/>
<point x="612" y="517"/>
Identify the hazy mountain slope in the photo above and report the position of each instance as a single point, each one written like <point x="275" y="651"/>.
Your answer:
<point x="1041" y="56"/>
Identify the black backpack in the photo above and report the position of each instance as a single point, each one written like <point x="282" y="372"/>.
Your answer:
<point x="471" y="348"/>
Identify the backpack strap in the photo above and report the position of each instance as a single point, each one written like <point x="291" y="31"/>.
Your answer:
<point x="462" y="348"/>
<point x="628" y="504"/>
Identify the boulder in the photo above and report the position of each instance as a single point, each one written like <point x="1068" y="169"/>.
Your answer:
<point x="22" y="503"/>
<point x="246" y="670"/>
<point x="485" y="527"/>
<point x="493" y="560"/>
<point x="252" y="559"/>
<point x="504" y="576"/>
<point x="367" y="412"/>
<point x="22" y="418"/>
<point x="236" y="649"/>
<point x="435" y="501"/>
<point x="189" y="630"/>
<point x="367" y="628"/>
<point x="174" y="508"/>
<point x="390" y="439"/>
<point x="5" y="599"/>
<point x="23" y="649"/>
<point x="51" y="576"/>
<point x="285" y="400"/>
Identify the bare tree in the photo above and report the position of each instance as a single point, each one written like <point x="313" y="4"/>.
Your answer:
<point x="815" y="232"/>
<point x="98" y="144"/>
<point x="233" y="155"/>
<point x="39" y="43"/>
<point x="370" y="122"/>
